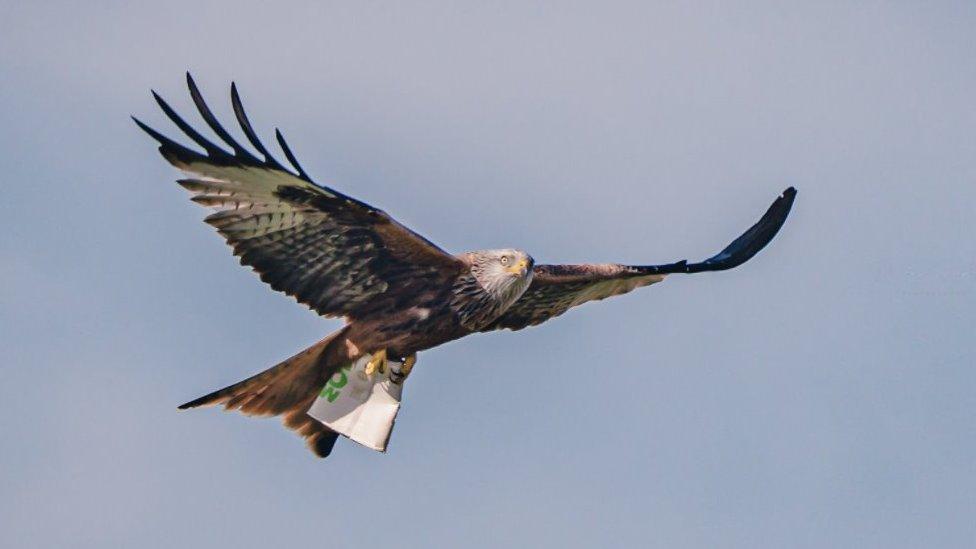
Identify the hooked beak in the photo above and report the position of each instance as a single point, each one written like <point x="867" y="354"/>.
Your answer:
<point x="521" y="268"/>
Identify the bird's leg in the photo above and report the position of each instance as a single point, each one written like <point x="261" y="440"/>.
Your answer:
<point x="376" y="363"/>
<point x="398" y="376"/>
<point x="408" y="364"/>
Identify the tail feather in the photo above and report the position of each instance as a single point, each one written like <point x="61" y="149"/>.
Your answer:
<point x="319" y="438"/>
<point x="286" y="389"/>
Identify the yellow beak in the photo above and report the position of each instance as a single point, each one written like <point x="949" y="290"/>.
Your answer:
<point x="520" y="268"/>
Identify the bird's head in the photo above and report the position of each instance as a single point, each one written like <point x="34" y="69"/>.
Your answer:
<point x="503" y="273"/>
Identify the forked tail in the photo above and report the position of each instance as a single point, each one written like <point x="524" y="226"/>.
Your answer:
<point x="287" y="389"/>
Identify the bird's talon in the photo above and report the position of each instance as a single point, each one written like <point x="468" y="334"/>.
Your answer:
<point x="377" y="363"/>
<point x="408" y="365"/>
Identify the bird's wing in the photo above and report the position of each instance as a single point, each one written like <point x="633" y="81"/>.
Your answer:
<point x="329" y="251"/>
<point x="557" y="288"/>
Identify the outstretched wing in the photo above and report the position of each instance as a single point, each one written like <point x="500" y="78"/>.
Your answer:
<point x="557" y="288"/>
<point x="339" y="256"/>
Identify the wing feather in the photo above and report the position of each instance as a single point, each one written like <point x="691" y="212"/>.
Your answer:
<point x="336" y="254"/>
<point x="557" y="288"/>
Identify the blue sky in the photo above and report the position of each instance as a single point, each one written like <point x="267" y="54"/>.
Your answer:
<point x="819" y="396"/>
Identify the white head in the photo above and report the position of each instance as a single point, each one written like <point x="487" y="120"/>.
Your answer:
<point x="505" y="274"/>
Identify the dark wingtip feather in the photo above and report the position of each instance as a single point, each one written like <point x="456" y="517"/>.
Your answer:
<point x="190" y="82"/>
<point x="211" y="120"/>
<point x="173" y="152"/>
<point x="179" y="155"/>
<point x="212" y="149"/>
<point x="744" y="247"/>
<point x="245" y="123"/>
<point x="291" y="157"/>
<point x="167" y="147"/>
<point x="753" y="240"/>
<point x="152" y="133"/>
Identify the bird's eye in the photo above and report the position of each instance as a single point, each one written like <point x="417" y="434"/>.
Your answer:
<point x="505" y="260"/>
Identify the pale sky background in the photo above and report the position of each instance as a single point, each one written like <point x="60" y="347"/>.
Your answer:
<point x="821" y="395"/>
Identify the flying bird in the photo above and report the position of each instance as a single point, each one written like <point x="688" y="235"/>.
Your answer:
<point x="398" y="292"/>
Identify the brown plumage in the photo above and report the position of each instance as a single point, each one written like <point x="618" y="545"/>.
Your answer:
<point x="397" y="291"/>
